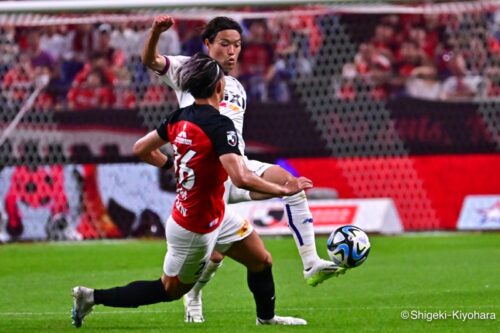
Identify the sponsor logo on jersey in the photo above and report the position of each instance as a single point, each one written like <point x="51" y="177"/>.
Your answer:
<point x="182" y="137"/>
<point x="232" y="139"/>
<point x="231" y="107"/>
<point x="233" y="101"/>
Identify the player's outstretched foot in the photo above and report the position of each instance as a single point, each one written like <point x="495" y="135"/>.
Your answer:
<point x="277" y="320"/>
<point x="322" y="270"/>
<point x="83" y="302"/>
<point x="193" y="308"/>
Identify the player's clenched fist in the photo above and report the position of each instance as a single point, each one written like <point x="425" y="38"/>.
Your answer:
<point x="162" y="23"/>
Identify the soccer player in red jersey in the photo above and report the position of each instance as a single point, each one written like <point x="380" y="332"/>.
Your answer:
<point x="222" y="37"/>
<point x="206" y="151"/>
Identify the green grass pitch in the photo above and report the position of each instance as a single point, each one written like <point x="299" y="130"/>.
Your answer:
<point x="423" y="273"/>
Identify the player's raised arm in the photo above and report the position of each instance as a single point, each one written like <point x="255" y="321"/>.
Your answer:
<point x="150" y="56"/>
<point x="244" y="178"/>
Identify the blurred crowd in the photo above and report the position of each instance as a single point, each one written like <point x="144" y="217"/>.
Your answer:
<point x="99" y="66"/>
<point x="448" y="56"/>
<point x="90" y="66"/>
<point x="445" y="57"/>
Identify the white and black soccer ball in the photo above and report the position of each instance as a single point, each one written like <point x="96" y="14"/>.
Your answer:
<point x="348" y="246"/>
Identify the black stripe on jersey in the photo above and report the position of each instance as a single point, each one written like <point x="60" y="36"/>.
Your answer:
<point x="165" y="69"/>
<point x="220" y="129"/>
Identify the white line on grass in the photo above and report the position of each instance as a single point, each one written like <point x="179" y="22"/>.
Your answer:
<point x="132" y="311"/>
<point x="440" y="233"/>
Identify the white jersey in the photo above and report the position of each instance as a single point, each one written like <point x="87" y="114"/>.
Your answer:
<point x="235" y="97"/>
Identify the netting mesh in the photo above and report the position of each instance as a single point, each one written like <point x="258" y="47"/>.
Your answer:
<point x="360" y="125"/>
<point x="339" y="68"/>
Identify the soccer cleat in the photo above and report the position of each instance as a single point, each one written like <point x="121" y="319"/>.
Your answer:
<point x="321" y="271"/>
<point x="193" y="309"/>
<point x="277" y="320"/>
<point x="83" y="302"/>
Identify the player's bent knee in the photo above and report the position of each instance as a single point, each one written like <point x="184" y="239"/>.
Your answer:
<point x="264" y="262"/>
<point x="277" y="175"/>
<point x="267" y="261"/>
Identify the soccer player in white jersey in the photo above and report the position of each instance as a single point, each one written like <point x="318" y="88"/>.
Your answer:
<point x="222" y="37"/>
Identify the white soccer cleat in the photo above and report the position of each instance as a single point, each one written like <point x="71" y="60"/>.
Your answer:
<point x="322" y="270"/>
<point x="193" y="308"/>
<point x="83" y="302"/>
<point x="277" y="320"/>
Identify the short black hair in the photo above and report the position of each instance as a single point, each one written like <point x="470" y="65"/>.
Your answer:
<point x="217" y="25"/>
<point x="199" y="75"/>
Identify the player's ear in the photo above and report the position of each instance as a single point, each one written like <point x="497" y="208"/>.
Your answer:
<point x="207" y="43"/>
<point x="219" y="88"/>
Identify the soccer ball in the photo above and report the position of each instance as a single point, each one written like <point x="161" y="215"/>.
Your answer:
<point x="348" y="246"/>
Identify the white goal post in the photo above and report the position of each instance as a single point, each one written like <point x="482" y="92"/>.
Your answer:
<point x="346" y="6"/>
<point x="83" y="5"/>
<point x="46" y="13"/>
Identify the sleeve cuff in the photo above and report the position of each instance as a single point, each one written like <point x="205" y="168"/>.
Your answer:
<point x="165" y="69"/>
<point x="161" y="134"/>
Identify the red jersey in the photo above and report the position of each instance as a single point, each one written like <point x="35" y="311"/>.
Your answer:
<point x="199" y="134"/>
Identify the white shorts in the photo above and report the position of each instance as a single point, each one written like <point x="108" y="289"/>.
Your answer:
<point x="188" y="252"/>
<point x="258" y="167"/>
<point x="233" y="194"/>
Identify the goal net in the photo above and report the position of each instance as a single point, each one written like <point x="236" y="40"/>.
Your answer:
<point x="369" y="99"/>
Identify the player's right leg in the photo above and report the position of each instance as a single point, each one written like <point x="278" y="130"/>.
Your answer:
<point x="83" y="304"/>
<point x="132" y="295"/>
<point x="240" y="242"/>
<point x="300" y="223"/>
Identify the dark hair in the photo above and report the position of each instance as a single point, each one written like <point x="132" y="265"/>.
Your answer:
<point x="199" y="75"/>
<point x="100" y="74"/>
<point x="217" y="25"/>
